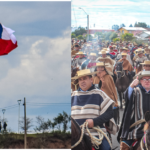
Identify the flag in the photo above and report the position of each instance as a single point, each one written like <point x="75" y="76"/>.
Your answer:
<point x="8" y="41"/>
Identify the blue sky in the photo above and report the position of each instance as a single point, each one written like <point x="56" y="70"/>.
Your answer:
<point x="106" y="13"/>
<point x="39" y="69"/>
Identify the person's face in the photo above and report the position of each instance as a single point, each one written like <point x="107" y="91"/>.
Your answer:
<point x="146" y="67"/>
<point x="103" y="55"/>
<point x="140" y="55"/>
<point x="124" y="57"/>
<point x="76" y="48"/>
<point x="92" y="58"/>
<point x="85" y="82"/>
<point x="145" y="82"/>
<point x="111" y="49"/>
<point x="81" y="56"/>
<point x="124" y="51"/>
<point x="100" y="69"/>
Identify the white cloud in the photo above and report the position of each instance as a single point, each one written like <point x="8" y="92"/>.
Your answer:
<point x="110" y="12"/>
<point x="44" y="70"/>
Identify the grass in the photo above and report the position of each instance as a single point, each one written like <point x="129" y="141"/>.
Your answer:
<point x="38" y="139"/>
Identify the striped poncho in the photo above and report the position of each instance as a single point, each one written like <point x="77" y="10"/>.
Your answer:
<point x="90" y="105"/>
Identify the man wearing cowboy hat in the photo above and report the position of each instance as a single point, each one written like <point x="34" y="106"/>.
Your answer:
<point x="80" y="58"/>
<point x="137" y="98"/>
<point x="146" y="67"/>
<point x="140" y="56"/>
<point x="75" y="49"/>
<point x="104" y="58"/>
<point x="133" y="50"/>
<point x="89" y="104"/>
<point x="90" y="62"/>
<point x="125" y="50"/>
<point x="126" y="65"/>
<point x="147" y="51"/>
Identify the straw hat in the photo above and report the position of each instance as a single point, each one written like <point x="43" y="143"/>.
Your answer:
<point x="146" y="62"/>
<point x="102" y="52"/>
<point x="100" y="64"/>
<point x="93" y="54"/>
<point x="105" y="49"/>
<point x="124" y="48"/>
<point x="83" y="73"/>
<point x="139" y="51"/>
<point x="114" y="46"/>
<point x="123" y="54"/>
<point x="80" y="53"/>
<point x="144" y="74"/>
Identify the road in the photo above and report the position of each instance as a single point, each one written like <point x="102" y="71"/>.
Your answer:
<point x="114" y="137"/>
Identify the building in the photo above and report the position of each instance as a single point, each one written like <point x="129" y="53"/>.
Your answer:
<point x="133" y="30"/>
<point x="94" y="30"/>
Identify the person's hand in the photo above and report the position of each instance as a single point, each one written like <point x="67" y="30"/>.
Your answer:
<point x="90" y="123"/>
<point x="134" y="83"/>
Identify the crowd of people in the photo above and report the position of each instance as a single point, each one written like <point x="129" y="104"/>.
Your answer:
<point x="95" y="99"/>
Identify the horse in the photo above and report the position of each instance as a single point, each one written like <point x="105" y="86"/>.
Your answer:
<point x="85" y="144"/>
<point x="144" y="143"/>
<point x="74" y="84"/>
<point x="122" y="81"/>
<point x="138" y="67"/>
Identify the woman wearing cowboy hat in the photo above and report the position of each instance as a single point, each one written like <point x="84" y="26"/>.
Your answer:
<point x="107" y="84"/>
<point x="88" y="104"/>
<point x="124" y="50"/>
<point x="146" y="67"/>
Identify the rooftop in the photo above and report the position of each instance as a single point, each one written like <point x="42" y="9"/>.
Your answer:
<point x="133" y="28"/>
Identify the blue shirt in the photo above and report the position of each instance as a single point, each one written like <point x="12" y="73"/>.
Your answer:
<point x="130" y="90"/>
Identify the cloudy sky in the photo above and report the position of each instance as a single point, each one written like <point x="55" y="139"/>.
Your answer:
<point x="39" y="69"/>
<point x="106" y="13"/>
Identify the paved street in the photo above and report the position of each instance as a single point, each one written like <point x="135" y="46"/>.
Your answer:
<point x="114" y="138"/>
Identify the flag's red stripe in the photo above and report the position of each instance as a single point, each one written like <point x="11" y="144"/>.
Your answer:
<point x="6" y="46"/>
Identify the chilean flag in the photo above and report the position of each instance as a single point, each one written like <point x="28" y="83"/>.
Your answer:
<point x="8" y="41"/>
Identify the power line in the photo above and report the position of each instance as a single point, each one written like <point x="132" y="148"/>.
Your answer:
<point x="75" y="17"/>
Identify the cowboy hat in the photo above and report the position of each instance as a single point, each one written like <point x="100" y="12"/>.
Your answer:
<point x="124" y="48"/>
<point x="93" y="54"/>
<point x="102" y="52"/>
<point x="83" y="73"/>
<point x="123" y="54"/>
<point x="102" y="64"/>
<point x="139" y="51"/>
<point x="80" y="53"/>
<point x="146" y="62"/>
<point x="143" y="74"/>
<point x="114" y="46"/>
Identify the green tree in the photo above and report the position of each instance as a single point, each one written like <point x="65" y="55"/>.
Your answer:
<point x="79" y="31"/>
<point x="79" y="37"/>
<point x="113" y="36"/>
<point x="98" y="34"/>
<point x="28" y="123"/>
<point x="140" y="24"/>
<point x="90" y="37"/>
<point x="42" y="125"/>
<point x="116" y="39"/>
<point x="58" y="120"/>
<point x="73" y="35"/>
<point x="127" y="37"/>
<point x="66" y="120"/>
<point x="130" y="25"/>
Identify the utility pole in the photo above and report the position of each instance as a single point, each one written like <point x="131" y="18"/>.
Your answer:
<point x="88" y="26"/>
<point x="87" y="23"/>
<point x="25" y="132"/>
<point x="19" y="101"/>
<point x="3" y="110"/>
